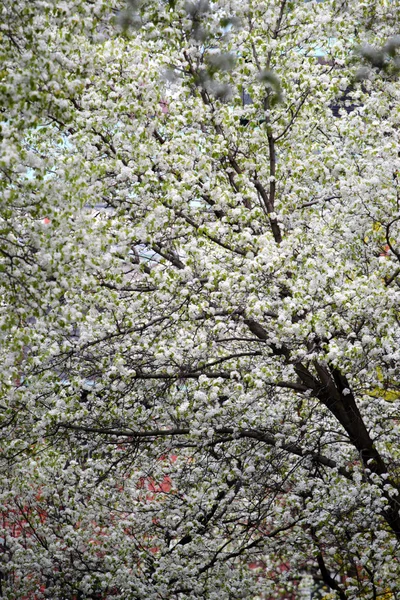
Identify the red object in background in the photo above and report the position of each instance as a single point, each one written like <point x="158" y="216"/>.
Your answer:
<point x="158" y="487"/>
<point x="164" y="486"/>
<point x="164" y="106"/>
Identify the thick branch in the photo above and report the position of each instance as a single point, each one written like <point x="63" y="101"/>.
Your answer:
<point x="254" y="434"/>
<point x="333" y="390"/>
<point x="330" y="582"/>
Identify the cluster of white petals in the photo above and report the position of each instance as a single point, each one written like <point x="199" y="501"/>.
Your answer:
<point x="200" y="299"/>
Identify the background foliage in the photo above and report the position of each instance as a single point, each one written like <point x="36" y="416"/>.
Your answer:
<point x="200" y="302"/>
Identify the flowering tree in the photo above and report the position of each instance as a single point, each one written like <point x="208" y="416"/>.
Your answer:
<point x="200" y="330"/>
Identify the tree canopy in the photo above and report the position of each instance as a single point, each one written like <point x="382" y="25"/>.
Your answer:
<point x="199" y="262"/>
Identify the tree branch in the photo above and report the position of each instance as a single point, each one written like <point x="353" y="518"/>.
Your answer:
<point x="236" y="433"/>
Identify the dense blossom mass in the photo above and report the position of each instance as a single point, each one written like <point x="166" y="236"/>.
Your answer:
<point x="200" y="303"/>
